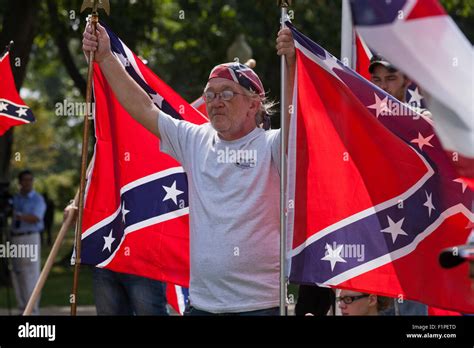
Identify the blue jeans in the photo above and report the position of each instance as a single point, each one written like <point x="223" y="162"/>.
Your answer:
<point x="194" y="312"/>
<point x="126" y="294"/>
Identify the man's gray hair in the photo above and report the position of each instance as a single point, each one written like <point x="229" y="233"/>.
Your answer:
<point x="266" y="107"/>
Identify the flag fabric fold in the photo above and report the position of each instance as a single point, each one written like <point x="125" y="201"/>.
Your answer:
<point x="373" y="196"/>
<point x="421" y="39"/>
<point x="13" y="110"/>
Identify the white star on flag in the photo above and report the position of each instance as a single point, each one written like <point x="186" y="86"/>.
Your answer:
<point x="3" y="106"/>
<point x="21" y="112"/>
<point x="124" y="212"/>
<point x="380" y="106"/>
<point x="461" y="181"/>
<point x="333" y="256"/>
<point x="395" y="229"/>
<point x="330" y="64"/>
<point x="157" y="99"/>
<point x="422" y="141"/>
<point x="124" y="60"/>
<point x="429" y="203"/>
<point x="108" y="242"/>
<point x="172" y="193"/>
<point x="415" y="97"/>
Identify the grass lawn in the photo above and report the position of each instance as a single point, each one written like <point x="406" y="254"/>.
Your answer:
<point x="58" y="286"/>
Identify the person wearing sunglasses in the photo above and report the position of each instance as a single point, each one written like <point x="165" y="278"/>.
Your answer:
<point x="358" y="303"/>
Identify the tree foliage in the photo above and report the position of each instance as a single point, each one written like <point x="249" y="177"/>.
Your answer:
<point x="181" y="40"/>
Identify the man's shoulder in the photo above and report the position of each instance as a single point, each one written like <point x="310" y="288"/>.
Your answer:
<point x="205" y="127"/>
<point x="272" y="134"/>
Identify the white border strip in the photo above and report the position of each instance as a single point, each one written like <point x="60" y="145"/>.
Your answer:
<point x="152" y="177"/>
<point x="156" y="219"/>
<point x="180" y="299"/>
<point x="14" y="118"/>
<point x="382" y="260"/>
<point x="143" y="224"/>
<point x="132" y="61"/>
<point x="21" y="106"/>
<point x="100" y="224"/>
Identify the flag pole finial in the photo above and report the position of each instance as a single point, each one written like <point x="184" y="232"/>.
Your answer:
<point x="284" y="3"/>
<point x="95" y="5"/>
<point x="8" y="47"/>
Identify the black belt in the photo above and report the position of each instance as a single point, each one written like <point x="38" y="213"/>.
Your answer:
<point x="23" y="233"/>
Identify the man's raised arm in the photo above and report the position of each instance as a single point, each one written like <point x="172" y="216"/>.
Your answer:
<point x="130" y="95"/>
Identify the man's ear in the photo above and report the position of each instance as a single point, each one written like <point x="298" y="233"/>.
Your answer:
<point x="373" y="300"/>
<point x="254" y="106"/>
<point x="407" y="81"/>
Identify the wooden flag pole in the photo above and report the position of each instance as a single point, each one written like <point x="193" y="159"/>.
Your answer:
<point x="68" y="221"/>
<point x="283" y="4"/>
<point x="95" y="5"/>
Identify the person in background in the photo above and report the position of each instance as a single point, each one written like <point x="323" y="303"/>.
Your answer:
<point x="358" y="303"/>
<point x="29" y="208"/>
<point x="391" y="80"/>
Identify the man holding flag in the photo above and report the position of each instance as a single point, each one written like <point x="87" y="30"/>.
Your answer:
<point x="233" y="178"/>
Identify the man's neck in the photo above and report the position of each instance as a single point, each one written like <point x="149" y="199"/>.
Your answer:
<point x="25" y="193"/>
<point x="235" y="136"/>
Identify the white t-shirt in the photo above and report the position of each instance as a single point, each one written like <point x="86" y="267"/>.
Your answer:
<point x="234" y="204"/>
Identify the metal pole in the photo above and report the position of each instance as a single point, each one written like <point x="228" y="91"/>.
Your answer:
<point x="283" y="111"/>
<point x="347" y="36"/>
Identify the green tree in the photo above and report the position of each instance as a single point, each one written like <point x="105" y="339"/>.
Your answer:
<point x="180" y="39"/>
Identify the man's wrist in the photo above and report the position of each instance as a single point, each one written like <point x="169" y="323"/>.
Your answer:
<point x="107" y="58"/>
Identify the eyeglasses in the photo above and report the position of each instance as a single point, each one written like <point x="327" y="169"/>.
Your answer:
<point x="350" y="299"/>
<point x="226" y="95"/>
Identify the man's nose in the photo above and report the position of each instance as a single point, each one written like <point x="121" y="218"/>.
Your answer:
<point x="217" y="101"/>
